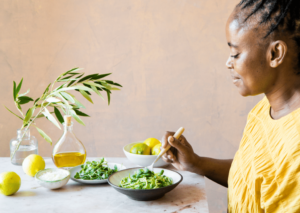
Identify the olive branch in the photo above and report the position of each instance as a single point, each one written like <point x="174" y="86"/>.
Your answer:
<point x="60" y="99"/>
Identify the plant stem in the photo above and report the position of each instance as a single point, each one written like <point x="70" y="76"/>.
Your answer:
<point x="26" y="128"/>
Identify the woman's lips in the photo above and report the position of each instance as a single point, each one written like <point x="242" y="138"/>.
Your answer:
<point x="235" y="80"/>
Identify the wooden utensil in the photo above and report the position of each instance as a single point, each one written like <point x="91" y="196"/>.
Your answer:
<point x="176" y="135"/>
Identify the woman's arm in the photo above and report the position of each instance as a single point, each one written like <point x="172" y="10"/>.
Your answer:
<point x="182" y="157"/>
<point x="216" y="170"/>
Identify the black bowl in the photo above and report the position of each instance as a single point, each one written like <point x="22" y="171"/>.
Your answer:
<point x="144" y="194"/>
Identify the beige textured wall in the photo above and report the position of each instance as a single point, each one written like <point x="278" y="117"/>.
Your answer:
<point x="168" y="54"/>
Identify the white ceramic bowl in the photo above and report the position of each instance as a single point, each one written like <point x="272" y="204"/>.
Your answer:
<point x="52" y="184"/>
<point x="142" y="160"/>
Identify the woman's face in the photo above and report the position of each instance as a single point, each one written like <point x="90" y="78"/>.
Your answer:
<point x="248" y="64"/>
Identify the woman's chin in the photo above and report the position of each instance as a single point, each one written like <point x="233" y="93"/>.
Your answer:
<point x="244" y="92"/>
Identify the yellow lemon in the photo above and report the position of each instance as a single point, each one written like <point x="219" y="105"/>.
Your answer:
<point x="151" y="142"/>
<point x="140" y="149"/>
<point x="156" y="149"/>
<point x="32" y="164"/>
<point x="10" y="183"/>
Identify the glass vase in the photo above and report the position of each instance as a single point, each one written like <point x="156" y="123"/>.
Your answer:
<point x="69" y="150"/>
<point x="28" y="145"/>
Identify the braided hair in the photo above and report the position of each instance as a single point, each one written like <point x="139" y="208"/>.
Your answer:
<point x="278" y="15"/>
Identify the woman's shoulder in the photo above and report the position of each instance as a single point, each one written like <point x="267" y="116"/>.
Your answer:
<point x="260" y="109"/>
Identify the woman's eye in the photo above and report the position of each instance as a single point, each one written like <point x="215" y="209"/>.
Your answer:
<point x="235" y="56"/>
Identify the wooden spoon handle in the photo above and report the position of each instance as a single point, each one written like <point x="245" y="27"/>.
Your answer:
<point x="177" y="134"/>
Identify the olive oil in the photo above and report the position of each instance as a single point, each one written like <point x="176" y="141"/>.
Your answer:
<point x="69" y="159"/>
<point x="69" y="151"/>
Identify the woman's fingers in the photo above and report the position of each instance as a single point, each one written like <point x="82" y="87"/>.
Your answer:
<point x="164" y="141"/>
<point x="177" y="144"/>
<point x="169" y="157"/>
<point x="166" y="159"/>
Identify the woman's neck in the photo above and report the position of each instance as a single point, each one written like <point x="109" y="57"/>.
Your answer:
<point x="284" y="98"/>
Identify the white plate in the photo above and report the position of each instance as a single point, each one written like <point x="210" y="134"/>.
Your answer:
<point x="78" y="168"/>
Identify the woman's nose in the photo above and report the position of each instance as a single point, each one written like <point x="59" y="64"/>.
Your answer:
<point x="229" y="63"/>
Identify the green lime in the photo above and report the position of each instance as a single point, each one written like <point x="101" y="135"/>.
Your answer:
<point x="140" y="149"/>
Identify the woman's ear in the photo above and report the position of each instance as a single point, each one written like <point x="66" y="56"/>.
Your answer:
<point x="277" y="52"/>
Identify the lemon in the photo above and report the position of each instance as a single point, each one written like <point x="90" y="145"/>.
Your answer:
<point x="156" y="149"/>
<point x="151" y="142"/>
<point x="32" y="164"/>
<point x="140" y="149"/>
<point x="10" y="183"/>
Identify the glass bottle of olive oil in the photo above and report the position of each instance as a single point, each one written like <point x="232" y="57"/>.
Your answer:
<point x="69" y="151"/>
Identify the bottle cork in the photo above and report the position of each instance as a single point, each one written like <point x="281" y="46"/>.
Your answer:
<point x="68" y="119"/>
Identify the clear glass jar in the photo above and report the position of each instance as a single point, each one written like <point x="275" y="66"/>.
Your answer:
<point x="29" y="145"/>
<point x="69" y="150"/>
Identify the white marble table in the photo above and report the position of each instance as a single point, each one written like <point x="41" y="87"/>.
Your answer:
<point x="188" y="196"/>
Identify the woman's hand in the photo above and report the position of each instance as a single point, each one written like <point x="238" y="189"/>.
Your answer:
<point x="182" y="157"/>
<point x="181" y="153"/>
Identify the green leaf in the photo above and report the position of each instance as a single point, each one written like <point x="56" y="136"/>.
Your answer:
<point x="101" y="76"/>
<point x="86" y="95"/>
<point x="24" y="93"/>
<point x="61" y="86"/>
<point x="106" y="85"/>
<point x="80" y="105"/>
<point x="71" y="70"/>
<point x="114" y="88"/>
<point x="73" y="88"/>
<point x="74" y="73"/>
<point x="36" y="100"/>
<point x="116" y="84"/>
<point x="85" y="91"/>
<point x="96" y="91"/>
<point x="50" y="117"/>
<point x="19" y="86"/>
<point x="81" y="113"/>
<point x="67" y="96"/>
<point x="71" y="82"/>
<point x="15" y="91"/>
<point x="28" y="115"/>
<point x="62" y="98"/>
<point x="47" y="89"/>
<point x="75" y="116"/>
<point x="53" y="100"/>
<point x="87" y="77"/>
<point x="13" y="113"/>
<point x="90" y="83"/>
<point x="108" y="96"/>
<point x="44" y="135"/>
<point x="19" y="106"/>
<point x="58" y="115"/>
<point x="41" y="115"/>
<point x="24" y="99"/>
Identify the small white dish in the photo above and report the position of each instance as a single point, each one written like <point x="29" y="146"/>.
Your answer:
<point x="142" y="160"/>
<point x="76" y="169"/>
<point x="52" y="184"/>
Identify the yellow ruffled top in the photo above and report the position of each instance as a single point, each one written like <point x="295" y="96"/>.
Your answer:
<point x="265" y="173"/>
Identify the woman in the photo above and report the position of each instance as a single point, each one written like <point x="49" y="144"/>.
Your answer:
<point x="264" y="176"/>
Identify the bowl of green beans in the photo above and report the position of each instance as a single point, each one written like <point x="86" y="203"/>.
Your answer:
<point x="142" y="184"/>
